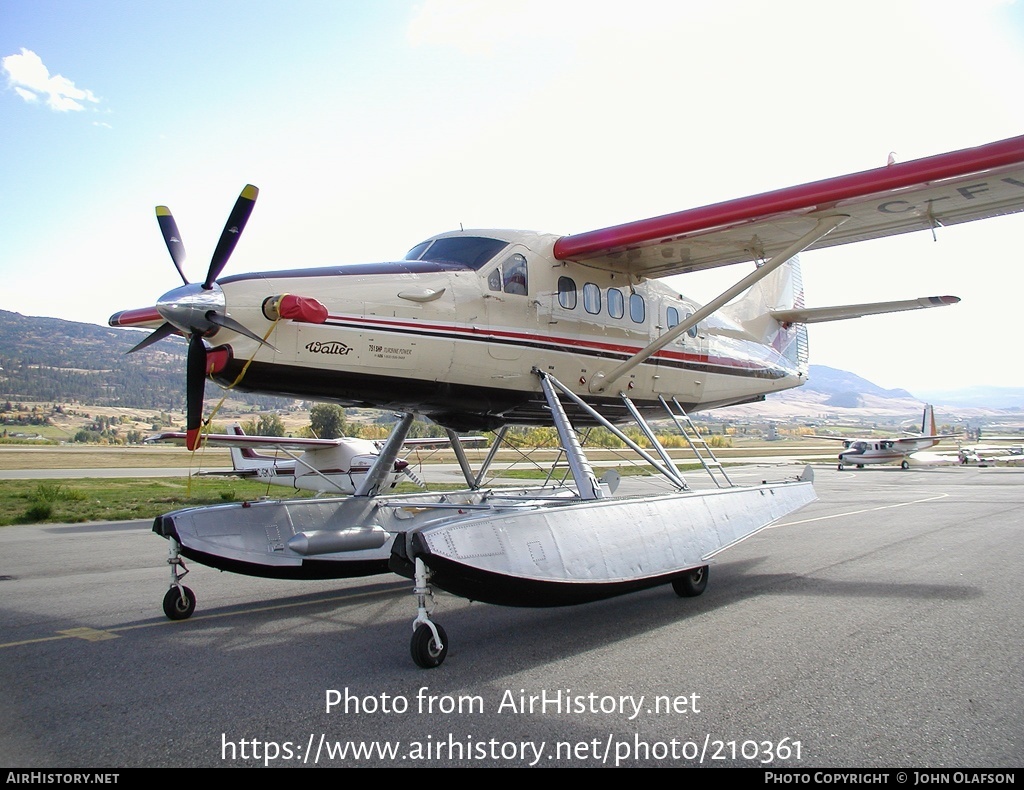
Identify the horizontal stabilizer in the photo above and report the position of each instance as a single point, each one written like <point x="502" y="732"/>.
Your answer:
<point x="842" y="312"/>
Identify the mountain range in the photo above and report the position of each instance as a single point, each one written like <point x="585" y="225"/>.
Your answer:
<point x="53" y="360"/>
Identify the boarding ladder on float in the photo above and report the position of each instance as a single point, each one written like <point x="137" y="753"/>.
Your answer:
<point x="700" y="448"/>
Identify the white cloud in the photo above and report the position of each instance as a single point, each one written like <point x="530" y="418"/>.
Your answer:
<point x="28" y="96"/>
<point x="31" y="79"/>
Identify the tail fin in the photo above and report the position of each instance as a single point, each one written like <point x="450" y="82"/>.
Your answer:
<point x="245" y="457"/>
<point x="782" y="290"/>
<point x="928" y="422"/>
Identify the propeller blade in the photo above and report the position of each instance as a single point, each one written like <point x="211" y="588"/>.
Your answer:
<point x="159" y="333"/>
<point x="232" y="230"/>
<point x="228" y="322"/>
<point x="169" y="229"/>
<point x="195" y="386"/>
<point x="414" y="477"/>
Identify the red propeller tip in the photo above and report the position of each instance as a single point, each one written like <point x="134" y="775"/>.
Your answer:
<point x="192" y="438"/>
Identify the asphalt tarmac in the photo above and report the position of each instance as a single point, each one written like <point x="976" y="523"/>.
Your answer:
<point x="878" y="627"/>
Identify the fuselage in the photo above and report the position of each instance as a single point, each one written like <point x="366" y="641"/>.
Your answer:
<point x="456" y="329"/>
<point x="882" y="451"/>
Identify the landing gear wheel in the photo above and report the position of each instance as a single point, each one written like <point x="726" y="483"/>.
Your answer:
<point x="425" y="651"/>
<point x="905" y="465"/>
<point x="177" y="609"/>
<point x="840" y="467"/>
<point x="860" y="466"/>
<point x="692" y="583"/>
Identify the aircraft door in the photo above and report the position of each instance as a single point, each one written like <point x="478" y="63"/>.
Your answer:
<point x="682" y="362"/>
<point x="507" y="305"/>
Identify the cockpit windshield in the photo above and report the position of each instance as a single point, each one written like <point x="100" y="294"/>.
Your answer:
<point x="471" y="251"/>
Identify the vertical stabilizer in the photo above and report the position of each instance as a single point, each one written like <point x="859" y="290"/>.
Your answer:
<point x="243" y="458"/>
<point x="783" y="289"/>
<point x="928" y="421"/>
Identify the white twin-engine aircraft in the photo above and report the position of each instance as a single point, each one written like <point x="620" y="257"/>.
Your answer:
<point x="860" y="452"/>
<point x="482" y="329"/>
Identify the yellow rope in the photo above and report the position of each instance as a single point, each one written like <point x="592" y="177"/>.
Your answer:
<point x="207" y="424"/>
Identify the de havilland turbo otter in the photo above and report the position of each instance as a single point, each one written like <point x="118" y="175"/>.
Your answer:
<point x="482" y="329"/>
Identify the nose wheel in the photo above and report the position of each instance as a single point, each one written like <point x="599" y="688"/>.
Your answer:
<point x="429" y="645"/>
<point x="428" y="650"/>
<point x="180" y="601"/>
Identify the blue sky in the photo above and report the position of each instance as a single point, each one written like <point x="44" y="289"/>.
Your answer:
<point x="371" y="125"/>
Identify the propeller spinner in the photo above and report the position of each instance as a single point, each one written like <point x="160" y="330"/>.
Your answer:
<point x="198" y="309"/>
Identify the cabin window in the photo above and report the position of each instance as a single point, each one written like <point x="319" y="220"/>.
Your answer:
<point x="513" y="272"/>
<point x="692" y="331"/>
<point x="591" y="298"/>
<point x="637" y="308"/>
<point x="672" y="317"/>
<point x="567" y="293"/>
<point x="616" y="304"/>
<point x="494" y="280"/>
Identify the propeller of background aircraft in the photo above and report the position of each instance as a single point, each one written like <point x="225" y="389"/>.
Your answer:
<point x="199" y="309"/>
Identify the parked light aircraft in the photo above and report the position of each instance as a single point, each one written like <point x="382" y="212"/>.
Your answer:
<point x="330" y="465"/>
<point x="480" y="329"/>
<point x="333" y="466"/>
<point x="990" y="454"/>
<point x="865" y="451"/>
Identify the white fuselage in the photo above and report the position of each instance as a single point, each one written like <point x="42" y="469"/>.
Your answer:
<point x="459" y="343"/>
<point x="861" y="452"/>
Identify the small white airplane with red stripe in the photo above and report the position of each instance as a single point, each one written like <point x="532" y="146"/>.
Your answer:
<point x="326" y="466"/>
<point x="865" y="451"/>
<point x="481" y="329"/>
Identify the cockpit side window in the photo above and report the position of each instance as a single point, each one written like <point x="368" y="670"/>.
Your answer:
<point x="471" y="251"/>
<point x="415" y="253"/>
<point x="514" y="276"/>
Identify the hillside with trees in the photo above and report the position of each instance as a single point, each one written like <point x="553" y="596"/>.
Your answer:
<point x="58" y="361"/>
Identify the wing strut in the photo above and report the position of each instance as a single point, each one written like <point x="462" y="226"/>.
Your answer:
<point x="385" y="462"/>
<point x="600" y="382"/>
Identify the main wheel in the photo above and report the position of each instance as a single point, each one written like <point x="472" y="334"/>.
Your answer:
<point x="177" y="609"/>
<point x="692" y="583"/>
<point x="905" y="465"/>
<point x="424" y="649"/>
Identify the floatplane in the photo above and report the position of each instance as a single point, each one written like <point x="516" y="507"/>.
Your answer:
<point x="481" y="329"/>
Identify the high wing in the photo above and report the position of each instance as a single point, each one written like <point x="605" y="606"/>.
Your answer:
<point x="291" y="443"/>
<point x="434" y="442"/>
<point x="251" y="442"/>
<point x="947" y="189"/>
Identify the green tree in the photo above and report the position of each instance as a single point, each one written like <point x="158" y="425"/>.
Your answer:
<point x="266" y="425"/>
<point x="327" y="420"/>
